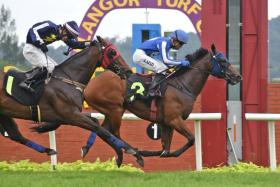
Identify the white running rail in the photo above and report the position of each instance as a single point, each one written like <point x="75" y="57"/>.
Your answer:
<point x="271" y="118"/>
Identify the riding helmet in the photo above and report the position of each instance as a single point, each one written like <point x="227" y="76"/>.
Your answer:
<point x="180" y="35"/>
<point x="72" y="28"/>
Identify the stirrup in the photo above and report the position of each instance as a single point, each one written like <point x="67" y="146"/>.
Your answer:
<point x="154" y="93"/>
<point x="151" y="93"/>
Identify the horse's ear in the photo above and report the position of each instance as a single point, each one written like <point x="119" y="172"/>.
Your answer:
<point x="103" y="42"/>
<point x="99" y="38"/>
<point x="213" y="48"/>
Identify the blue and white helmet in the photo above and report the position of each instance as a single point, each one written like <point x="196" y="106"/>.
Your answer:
<point x="72" y="28"/>
<point x="180" y="35"/>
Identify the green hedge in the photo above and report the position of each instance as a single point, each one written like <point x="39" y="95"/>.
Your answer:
<point x="241" y="167"/>
<point x="26" y="165"/>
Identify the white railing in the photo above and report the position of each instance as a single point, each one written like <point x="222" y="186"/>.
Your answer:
<point x="196" y="117"/>
<point x="271" y="118"/>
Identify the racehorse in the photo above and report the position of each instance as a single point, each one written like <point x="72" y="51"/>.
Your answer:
<point x="182" y="88"/>
<point x="64" y="91"/>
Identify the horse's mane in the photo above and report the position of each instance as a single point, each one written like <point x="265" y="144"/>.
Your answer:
<point x="198" y="54"/>
<point x="75" y="56"/>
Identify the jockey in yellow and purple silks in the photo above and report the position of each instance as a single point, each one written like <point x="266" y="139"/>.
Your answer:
<point x="144" y="55"/>
<point x="42" y="34"/>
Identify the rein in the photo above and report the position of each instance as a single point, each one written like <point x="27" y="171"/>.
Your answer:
<point x="79" y="86"/>
<point x="182" y="87"/>
<point x="202" y="71"/>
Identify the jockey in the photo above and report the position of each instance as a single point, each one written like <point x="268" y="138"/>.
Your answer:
<point x="144" y="55"/>
<point x="38" y="37"/>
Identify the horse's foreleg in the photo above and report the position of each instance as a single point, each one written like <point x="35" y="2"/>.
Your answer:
<point x="81" y="120"/>
<point x="91" y="139"/>
<point x="180" y="126"/>
<point x="112" y="123"/>
<point x="14" y="134"/>
<point x="85" y="149"/>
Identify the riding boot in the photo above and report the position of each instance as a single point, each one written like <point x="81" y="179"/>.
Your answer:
<point x="31" y="78"/>
<point x="152" y="89"/>
<point x="26" y="84"/>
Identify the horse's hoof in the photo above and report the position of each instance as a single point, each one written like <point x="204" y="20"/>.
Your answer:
<point x="51" y="152"/>
<point x="140" y="161"/>
<point x="164" y="154"/>
<point x="119" y="162"/>
<point x="84" y="151"/>
<point x="119" y="159"/>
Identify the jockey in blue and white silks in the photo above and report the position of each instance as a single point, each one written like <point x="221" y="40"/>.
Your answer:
<point x="145" y="54"/>
<point x="42" y="34"/>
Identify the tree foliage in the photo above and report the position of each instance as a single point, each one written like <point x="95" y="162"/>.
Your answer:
<point x="9" y="49"/>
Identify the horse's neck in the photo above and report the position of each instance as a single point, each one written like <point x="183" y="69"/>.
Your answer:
<point x="196" y="77"/>
<point x="122" y="64"/>
<point x="80" y="67"/>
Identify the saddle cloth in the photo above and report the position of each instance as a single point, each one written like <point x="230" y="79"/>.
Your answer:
<point x="12" y="80"/>
<point x="138" y="86"/>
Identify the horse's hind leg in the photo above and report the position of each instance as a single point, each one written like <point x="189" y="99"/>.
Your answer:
<point x="166" y="137"/>
<point x="14" y="134"/>
<point x="180" y="126"/>
<point x="3" y="131"/>
<point x="45" y="127"/>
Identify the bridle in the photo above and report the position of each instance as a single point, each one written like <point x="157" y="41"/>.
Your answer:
<point x="222" y="68"/>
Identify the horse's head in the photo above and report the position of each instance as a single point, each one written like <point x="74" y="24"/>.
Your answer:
<point x="112" y="59"/>
<point x="109" y="52"/>
<point x="221" y="67"/>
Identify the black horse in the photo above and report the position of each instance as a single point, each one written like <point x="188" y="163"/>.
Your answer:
<point x="60" y="103"/>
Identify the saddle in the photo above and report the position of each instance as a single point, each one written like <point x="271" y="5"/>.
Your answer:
<point x="11" y="83"/>
<point x="138" y="86"/>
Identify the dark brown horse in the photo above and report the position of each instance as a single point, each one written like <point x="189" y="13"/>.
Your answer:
<point x="61" y="103"/>
<point x="182" y="89"/>
<point x="183" y="86"/>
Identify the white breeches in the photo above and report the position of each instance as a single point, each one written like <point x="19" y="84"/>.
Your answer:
<point x="143" y="60"/>
<point x="37" y="58"/>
